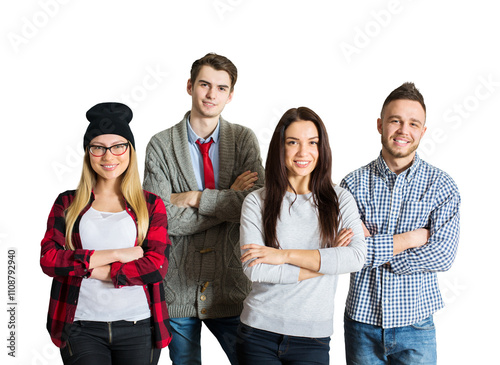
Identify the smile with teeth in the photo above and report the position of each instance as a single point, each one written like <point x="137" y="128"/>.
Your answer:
<point x="302" y="163"/>
<point x="109" y="167"/>
<point x="401" y="141"/>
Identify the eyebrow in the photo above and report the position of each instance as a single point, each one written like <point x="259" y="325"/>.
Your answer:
<point x="298" y="138"/>
<point x="399" y="117"/>
<point x="206" y="82"/>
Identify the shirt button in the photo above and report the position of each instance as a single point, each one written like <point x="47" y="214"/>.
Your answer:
<point x="203" y="297"/>
<point x="203" y="311"/>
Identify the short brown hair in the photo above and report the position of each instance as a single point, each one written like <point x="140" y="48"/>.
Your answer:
<point x="217" y="62"/>
<point x="407" y="91"/>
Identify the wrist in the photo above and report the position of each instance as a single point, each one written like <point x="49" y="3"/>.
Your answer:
<point x="287" y="256"/>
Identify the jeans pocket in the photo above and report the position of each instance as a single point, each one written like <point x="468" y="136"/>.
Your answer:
<point x="425" y="324"/>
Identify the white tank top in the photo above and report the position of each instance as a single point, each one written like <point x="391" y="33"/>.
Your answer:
<point x="100" y="300"/>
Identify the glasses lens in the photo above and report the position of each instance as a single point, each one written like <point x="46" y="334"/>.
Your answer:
<point x="97" y="151"/>
<point x="119" y="149"/>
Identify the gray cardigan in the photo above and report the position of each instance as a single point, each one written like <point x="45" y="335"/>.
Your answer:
<point x="205" y="277"/>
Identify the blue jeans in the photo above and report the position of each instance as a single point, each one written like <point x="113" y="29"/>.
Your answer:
<point x="106" y="343"/>
<point x="260" y="347"/>
<point x="373" y="345"/>
<point x="185" y="347"/>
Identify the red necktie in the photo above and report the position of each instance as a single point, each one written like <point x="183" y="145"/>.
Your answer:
<point x="208" y="170"/>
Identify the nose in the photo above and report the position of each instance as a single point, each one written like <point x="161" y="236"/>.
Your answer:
<point x="105" y="156"/>
<point x="210" y="93"/>
<point x="302" y="150"/>
<point x="403" y="128"/>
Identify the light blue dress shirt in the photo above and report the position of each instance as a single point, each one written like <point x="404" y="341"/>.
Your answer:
<point x="197" y="158"/>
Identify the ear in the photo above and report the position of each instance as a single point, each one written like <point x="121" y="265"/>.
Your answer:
<point x="230" y="97"/>
<point x="379" y="125"/>
<point x="423" y="131"/>
<point x="189" y="87"/>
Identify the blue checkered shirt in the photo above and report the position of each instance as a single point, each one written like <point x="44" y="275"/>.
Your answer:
<point x="395" y="291"/>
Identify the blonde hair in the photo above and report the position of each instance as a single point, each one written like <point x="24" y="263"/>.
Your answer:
<point x="131" y="190"/>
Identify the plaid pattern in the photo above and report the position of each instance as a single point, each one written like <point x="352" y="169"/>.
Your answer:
<point x="395" y="291"/>
<point x="68" y="268"/>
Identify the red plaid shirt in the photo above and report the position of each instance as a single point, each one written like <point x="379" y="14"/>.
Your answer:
<point x="68" y="268"/>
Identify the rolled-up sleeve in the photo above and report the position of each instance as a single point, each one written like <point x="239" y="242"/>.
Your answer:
<point x="153" y="266"/>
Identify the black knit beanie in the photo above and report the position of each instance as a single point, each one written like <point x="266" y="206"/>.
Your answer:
<point x="108" y="118"/>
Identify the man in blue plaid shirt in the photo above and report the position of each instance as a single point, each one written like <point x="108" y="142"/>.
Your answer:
<point x="410" y="211"/>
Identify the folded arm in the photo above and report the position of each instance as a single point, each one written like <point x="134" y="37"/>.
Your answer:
<point x="153" y="265"/>
<point x="438" y="254"/>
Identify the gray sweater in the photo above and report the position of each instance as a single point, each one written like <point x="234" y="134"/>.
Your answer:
<point x="204" y="278"/>
<point x="280" y="303"/>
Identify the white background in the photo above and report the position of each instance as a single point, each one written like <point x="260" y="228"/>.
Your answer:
<point x="341" y="59"/>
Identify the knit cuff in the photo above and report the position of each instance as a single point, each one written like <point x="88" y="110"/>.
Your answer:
<point x="208" y="202"/>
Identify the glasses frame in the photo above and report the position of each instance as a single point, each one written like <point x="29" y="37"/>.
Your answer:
<point x="106" y="149"/>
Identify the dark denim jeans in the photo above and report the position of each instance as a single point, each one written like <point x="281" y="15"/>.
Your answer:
<point x="185" y="347"/>
<point x="374" y="345"/>
<point x="255" y="346"/>
<point x="106" y="343"/>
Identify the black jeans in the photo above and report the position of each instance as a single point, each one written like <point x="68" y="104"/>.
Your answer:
<point x="106" y="343"/>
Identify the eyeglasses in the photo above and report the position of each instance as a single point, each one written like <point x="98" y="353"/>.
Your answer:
<point x="117" y="150"/>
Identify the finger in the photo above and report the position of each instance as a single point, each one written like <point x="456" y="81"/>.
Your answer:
<point x="244" y="174"/>
<point x="248" y="256"/>
<point x="345" y="243"/>
<point x="254" y="262"/>
<point x="249" y="246"/>
<point x="345" y="233"/>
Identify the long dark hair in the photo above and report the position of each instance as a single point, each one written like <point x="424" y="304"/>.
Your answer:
<point x="321" y="184"/>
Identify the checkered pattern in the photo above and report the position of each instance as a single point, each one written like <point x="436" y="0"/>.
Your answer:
<point x="394" y="291"/>
<point x="68" y="268"/>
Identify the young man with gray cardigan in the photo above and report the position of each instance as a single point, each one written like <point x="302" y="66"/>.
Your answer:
<point x="203" y="193"/>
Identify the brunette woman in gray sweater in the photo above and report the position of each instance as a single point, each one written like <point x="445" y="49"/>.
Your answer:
<point x="297" y="234"/>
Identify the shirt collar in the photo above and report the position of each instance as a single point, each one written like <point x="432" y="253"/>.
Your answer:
<point x="193" y="137"/>
<point x="410" y="172"/>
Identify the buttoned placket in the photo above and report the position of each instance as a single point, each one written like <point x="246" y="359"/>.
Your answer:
<point x="396" y="185"/>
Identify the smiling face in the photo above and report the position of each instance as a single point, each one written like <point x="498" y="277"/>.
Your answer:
<point x="401" y="128"/>
<point x="210" y="92"/>
<point x="109" y="166"/>
<point x="301" y="152"/>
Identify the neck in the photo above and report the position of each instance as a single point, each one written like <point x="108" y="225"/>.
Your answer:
<point x="203" y="126"/>
<point x="108" y="187"/>
<point x="397" y="164"/>
<point x="300" y="184"/>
